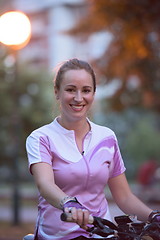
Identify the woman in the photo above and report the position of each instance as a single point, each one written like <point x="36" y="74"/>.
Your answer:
<point x="72" y="159"/>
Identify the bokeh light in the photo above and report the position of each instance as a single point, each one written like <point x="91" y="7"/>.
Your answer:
<point x="15" y="29"/>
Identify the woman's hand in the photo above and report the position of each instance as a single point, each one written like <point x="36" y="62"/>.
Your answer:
<point x="78" y="215"/>
<point x="76" y="212"/>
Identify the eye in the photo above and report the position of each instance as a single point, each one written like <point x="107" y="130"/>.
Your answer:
<point x="87" y="90"/>
<point x="70" y="90"/>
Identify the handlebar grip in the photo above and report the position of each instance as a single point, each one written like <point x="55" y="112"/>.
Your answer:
<point x="67" y="217"/>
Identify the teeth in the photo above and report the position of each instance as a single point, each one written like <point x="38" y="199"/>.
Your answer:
<point x="77" y="107"/>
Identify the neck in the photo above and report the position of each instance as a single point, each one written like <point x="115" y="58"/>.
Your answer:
<point x="79" y="126"/>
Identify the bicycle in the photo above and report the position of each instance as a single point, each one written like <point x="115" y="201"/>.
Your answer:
<point x="125" y="228"/>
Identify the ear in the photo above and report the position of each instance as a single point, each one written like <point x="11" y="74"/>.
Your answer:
<point x="56" y="93"/>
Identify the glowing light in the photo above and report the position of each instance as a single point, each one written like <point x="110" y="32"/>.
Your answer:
<point x="15" y="29"/>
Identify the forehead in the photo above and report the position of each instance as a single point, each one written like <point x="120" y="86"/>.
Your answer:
<point x="77" y="76"/>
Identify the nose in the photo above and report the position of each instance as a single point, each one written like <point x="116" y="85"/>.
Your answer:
<point x="78" y="96"/>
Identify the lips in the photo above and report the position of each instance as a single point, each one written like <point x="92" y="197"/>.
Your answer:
<point x="77" y="107"/>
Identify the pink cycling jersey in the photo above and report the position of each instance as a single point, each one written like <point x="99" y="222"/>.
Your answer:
<point x="79" y="175"/>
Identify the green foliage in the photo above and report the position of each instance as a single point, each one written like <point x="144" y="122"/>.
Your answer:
<point x="142" y="142"/>
<point x="26" y="103"/>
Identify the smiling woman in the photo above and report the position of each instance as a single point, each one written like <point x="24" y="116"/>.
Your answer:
<point x="76" y="94"/>
<point x="72" y="160"/>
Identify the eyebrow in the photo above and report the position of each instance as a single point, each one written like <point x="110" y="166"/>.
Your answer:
<point x="75" y="86"/>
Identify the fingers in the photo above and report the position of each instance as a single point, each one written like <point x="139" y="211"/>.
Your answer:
<point x="80" y="216"/>
<point x="85" y="219"/>
<point x="68" y="217"/>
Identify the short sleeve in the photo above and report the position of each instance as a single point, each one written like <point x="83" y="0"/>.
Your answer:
<point x="117" y="166"/>
<point x="38" y="149"/>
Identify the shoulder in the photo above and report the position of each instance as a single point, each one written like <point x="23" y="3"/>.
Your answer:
<point x="43" y="131"/>
<point x="102" y="130"/>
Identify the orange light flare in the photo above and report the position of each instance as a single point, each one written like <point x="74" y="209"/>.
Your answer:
<point x="15" y="29"/>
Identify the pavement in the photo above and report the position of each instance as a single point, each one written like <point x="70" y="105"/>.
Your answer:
<point x="26" y="214"/>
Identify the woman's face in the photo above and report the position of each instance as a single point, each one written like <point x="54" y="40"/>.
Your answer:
<point x="76" y="95"/>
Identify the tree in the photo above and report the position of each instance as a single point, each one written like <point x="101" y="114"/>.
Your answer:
<point x="142" y="142"/>
<point x="26" y="102"/>
<point x="30" y="95"/>
<point x="133" y="55"/>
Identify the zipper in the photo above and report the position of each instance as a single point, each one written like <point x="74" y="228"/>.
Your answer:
<point x="83" y="157"/>
<point x="88" y="171"/>
<point x="85" y="160"/>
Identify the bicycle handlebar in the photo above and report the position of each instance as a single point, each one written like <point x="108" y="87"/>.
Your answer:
<point x="102" y="227"/>
<point x="125" y="229"/>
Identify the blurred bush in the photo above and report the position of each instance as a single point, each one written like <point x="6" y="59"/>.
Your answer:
<point x="143" y="142"/>
<point x="26" y="103"/>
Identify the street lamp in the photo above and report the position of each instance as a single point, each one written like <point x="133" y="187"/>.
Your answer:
<point x="15" y="29"/>
<point x="15" y="33"/>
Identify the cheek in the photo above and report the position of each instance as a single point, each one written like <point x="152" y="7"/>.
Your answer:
<point x="91" y="98"/>
<point x="64" y="99"/>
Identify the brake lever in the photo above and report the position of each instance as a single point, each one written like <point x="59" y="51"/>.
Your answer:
<point x="102" y="227"/>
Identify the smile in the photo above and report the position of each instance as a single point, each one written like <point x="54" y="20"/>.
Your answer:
<point x="77" y="107"/>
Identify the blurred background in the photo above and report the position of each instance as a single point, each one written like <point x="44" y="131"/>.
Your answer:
<point x="121" y="40"/>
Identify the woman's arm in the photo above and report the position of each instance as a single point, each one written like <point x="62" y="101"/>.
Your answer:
<point x="126" y="200"/>
<point x="44" y="179"/>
